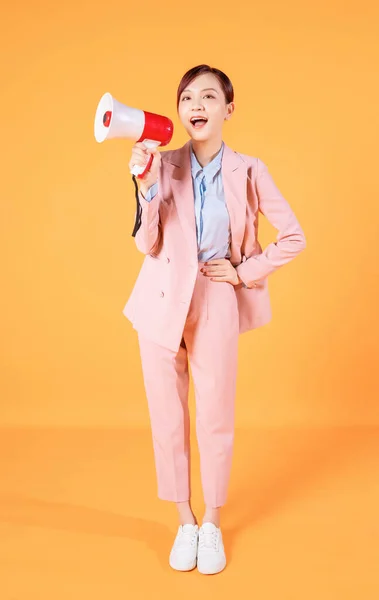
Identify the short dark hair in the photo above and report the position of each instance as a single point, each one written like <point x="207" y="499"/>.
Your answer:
<point x="224" y="81"/>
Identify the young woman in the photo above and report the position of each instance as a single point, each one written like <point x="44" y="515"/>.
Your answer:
<point x="202" y="283"/>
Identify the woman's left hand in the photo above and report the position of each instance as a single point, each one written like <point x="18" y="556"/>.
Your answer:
<point x="221" y="269"/>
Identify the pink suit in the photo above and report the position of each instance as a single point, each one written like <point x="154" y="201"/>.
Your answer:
<point x="178" y="312"/>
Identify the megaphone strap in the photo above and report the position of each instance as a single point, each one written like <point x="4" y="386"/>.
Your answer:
<point x="137" y="223"/>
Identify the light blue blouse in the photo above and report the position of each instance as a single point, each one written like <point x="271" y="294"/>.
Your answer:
<point x="212" y="217"/>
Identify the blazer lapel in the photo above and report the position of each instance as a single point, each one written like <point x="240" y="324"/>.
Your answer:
<point x="234" y="175"/>
<point x="182" y="188"/>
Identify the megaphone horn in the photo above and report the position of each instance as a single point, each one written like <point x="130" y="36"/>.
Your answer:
<point x="116" y="120"/>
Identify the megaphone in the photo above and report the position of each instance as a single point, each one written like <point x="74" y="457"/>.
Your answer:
<point x="116" y="120"/>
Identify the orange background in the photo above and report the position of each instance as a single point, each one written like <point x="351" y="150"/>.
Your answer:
<point x="73" y="401"/>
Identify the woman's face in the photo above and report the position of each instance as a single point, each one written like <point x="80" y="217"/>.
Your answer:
<point x="204" y="97"/>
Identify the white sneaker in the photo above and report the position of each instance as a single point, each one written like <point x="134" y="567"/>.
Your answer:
<point x="211" y="554"/>
<point x="183" y="555"/>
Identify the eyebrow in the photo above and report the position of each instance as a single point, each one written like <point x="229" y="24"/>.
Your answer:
<point x="204" y="90"/>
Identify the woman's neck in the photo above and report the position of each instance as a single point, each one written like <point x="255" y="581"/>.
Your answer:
<point x="205" y="151"/>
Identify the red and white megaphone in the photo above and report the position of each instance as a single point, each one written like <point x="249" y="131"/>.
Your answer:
<point x="116" y="120"/>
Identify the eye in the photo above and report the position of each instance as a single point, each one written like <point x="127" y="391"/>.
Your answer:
<point x="209" y="95"/>
<point x="184" y="98"/>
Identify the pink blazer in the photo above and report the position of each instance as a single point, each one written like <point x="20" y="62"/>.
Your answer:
<point x="160" y="299"/>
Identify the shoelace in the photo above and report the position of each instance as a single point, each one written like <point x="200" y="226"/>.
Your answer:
<point x="185" y="538"/>
<point x="208" y="540"/>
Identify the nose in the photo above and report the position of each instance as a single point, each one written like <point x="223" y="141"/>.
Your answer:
<point x="197" y="104"/>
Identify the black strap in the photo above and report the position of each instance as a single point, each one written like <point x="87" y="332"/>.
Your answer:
<point x="137" y="224"/>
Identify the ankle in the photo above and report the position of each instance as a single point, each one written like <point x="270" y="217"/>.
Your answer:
<point x="186" y="515"/>
<point x="215" y="522"/>
<point x="212" y="515"/>
<point x="188" y="521"/>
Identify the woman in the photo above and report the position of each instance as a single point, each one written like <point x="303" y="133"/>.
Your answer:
<point x="202" y="283"/>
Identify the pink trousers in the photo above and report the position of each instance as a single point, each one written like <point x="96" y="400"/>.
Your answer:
<point x="210" y="343"/>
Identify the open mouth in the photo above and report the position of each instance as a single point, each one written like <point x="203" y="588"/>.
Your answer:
<point x="198" y="122"/>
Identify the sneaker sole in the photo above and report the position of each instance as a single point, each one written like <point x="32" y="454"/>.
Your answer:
<point x="189" y="567"/>
<point x="207" y="572"/>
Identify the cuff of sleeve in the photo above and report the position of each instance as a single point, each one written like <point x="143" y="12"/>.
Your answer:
<point x="244" y="284"/>
<point x="151" y="193"/>
<point x="241" y="283"/>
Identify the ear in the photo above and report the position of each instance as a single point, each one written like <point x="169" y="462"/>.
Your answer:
<point x="230" y="109"/>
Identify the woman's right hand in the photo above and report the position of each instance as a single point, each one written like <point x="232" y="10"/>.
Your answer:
<point x="140" y="157"/>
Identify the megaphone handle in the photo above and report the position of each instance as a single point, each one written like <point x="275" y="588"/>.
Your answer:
<point x="140" y="171"/>
<point x="147" y="168"/>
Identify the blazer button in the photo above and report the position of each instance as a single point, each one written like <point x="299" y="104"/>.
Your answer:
<point x="162" y="294"/>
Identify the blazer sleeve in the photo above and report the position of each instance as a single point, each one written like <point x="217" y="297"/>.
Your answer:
<point x="290" y="240"/>
<point x="149" y="234"/>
